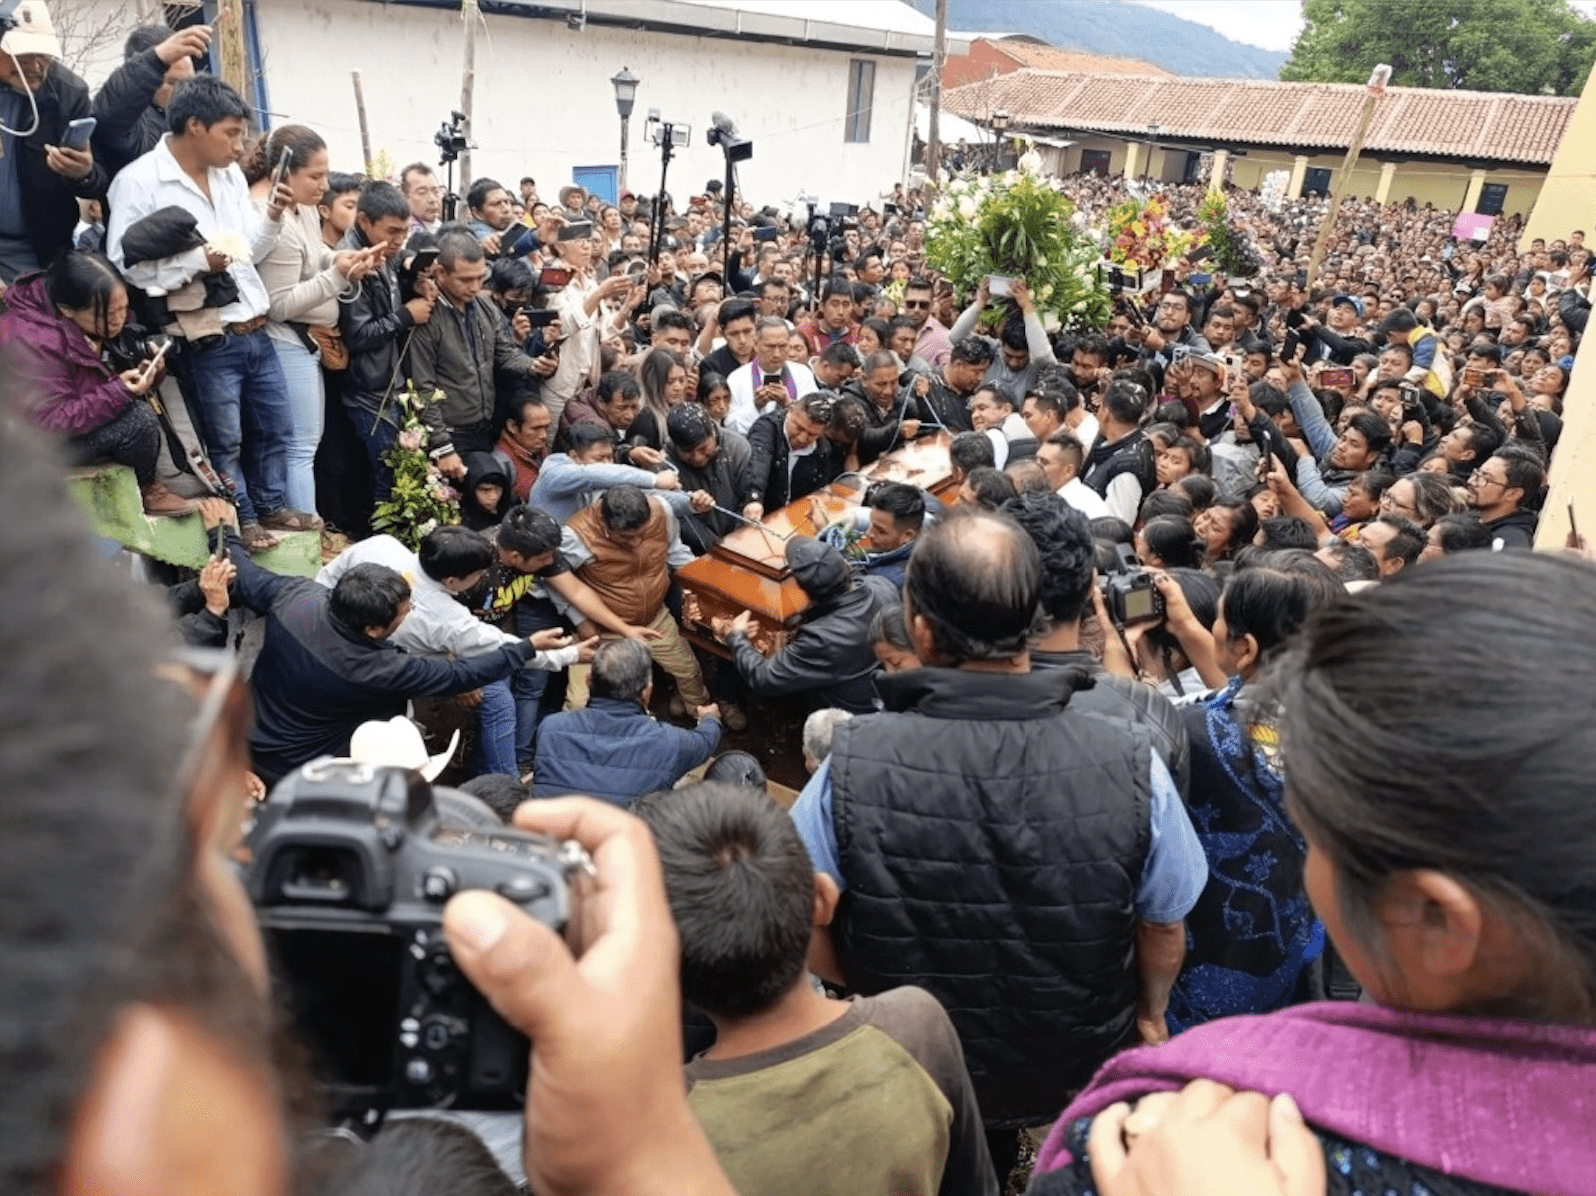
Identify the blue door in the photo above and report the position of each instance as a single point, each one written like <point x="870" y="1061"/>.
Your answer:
<point x="602" y="181"/>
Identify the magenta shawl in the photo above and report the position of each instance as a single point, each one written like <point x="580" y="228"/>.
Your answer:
<point x="1498" y="1102"/>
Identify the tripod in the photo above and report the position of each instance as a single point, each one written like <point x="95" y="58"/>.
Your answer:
<point x="656" y="224"/>
<point x="451" y="201"/>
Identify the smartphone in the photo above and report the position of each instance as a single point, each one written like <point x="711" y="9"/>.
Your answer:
<point x="1235" y="366"/>
<point x="284" y="161"/>
<point x="1337" y="379"/>
<point x="540" y="317"/>
<point x="154" y="363"/>
<point x="78" y="133"/>
<point x="769" y="233"/>
<point x="553" y="276"/>
<point x="424" y="260"/>
<point x="997" y="285"/>
<point x="1179" y="353"/>
<point x="1473" y="376"/>
<point x="1200" y="279"/>
<point x="1288" y="351"/>
<point x="1201" y="254"/>
<point x="577" y="230"/>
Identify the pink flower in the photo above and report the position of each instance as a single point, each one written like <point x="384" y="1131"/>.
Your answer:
<point x="411" y="439"/>
<point x="448" y="494"/>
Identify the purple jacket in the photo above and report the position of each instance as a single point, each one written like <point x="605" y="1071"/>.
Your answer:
<point x="70" y="389"/>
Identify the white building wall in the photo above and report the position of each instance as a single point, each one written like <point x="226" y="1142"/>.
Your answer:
<point x="544" y="103"/>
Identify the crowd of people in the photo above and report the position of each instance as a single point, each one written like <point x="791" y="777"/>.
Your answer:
<point x="1215" y="692"/>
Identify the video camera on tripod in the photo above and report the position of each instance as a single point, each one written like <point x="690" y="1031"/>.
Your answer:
<point x="825" y="230"/>
<point x="451" y="142"/>
<point x="451" y="139"/>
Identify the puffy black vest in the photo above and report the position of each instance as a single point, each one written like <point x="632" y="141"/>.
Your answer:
<point x="1131" y="454"/>
<point x="992" y="843"/>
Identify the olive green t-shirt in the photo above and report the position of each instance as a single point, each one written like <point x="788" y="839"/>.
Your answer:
<point x="876" y="1102"/>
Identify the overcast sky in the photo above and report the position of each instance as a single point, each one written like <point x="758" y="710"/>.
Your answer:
<point x="1272" y="24"/>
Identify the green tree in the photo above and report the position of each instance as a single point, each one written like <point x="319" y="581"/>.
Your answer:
<point x="1531" y="47"/>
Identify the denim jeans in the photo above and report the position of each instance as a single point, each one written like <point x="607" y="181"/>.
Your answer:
<point x="496" y="729"/>
<point x="302" y="372"/>
<point x="527" y="685"/>
<point x="378" y="434"/>
<point x="241" y="402"/>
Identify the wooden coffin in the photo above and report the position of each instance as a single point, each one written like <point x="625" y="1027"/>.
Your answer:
<point x="748" y="569"/>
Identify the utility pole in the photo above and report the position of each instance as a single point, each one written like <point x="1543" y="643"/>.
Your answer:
<point x="1377" y="81"/>
<point x="468" y="78"/>
<point x="939" y="58"/>
<point x="365" y="129"/>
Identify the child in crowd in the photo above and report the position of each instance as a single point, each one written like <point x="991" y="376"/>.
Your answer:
<point x="800" y="1091"/>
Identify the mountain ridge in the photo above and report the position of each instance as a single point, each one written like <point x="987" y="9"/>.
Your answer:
<point x="1117" y="28"/>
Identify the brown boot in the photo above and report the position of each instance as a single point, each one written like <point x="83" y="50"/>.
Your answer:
<point x="159" y="500"/>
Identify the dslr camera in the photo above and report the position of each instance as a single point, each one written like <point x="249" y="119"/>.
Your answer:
<point x="349" y="867"/>
<point x="1128" y="592"/>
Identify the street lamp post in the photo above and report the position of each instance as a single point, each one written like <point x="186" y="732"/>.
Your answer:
<point x="625" y="84"/>
<point x="1152" y="134"/>
<point x="1000" y="122"/>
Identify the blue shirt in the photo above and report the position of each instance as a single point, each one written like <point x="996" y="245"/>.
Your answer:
<point x="1172" y="878"/>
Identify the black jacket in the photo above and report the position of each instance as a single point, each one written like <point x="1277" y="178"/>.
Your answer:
<point x="725" y="478"/>
<point x="130" y="125"/>
<point x="829" y="659"/>
<point x="49" y="201"/>
<point x="1513" y="531"/>
<point x="766" y="480"/>
<point x="992" y="839"/>
<point x="317" y="680"/>
<point x="376" y="326"/>
<point x="881" y="427"/>
<point x="1119" y="697"/>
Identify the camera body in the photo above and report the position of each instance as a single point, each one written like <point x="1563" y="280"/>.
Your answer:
<point x="1129" y="593"/>
<point x="349" y="867"/>
<point x="450" y="140"/>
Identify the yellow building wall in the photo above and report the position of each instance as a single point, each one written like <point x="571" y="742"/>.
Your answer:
<point x="1439" y="183"/>
<point x="1566" y="205"/>
<point x="1570" y="192"/>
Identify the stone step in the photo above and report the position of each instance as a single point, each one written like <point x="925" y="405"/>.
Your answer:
<point x="110" y="495"/>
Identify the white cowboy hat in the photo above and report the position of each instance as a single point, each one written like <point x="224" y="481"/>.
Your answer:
<point x="397" y="743"/>
<point x="30" y="31"/>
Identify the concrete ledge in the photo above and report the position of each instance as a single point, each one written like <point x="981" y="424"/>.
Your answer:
<point x="110" y="496"/>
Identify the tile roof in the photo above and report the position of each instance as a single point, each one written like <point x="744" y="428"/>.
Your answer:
<point x="1409" y="120"/>
<point x="1052" y="58"/>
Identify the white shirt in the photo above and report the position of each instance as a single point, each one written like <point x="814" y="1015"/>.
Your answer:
<point x="1084" y="499"/>
<point x="156" y="181"/>
<point x="746" y="379"/>
<point x="437" y="625"/>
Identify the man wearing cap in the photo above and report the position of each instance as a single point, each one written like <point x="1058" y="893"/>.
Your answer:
<point x="1204" y="377"/>
<point x="40" y="179"/>
<point x="1338" y="342"/>
<point x="572" y="198"/>
<point x="829" y="659"/>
